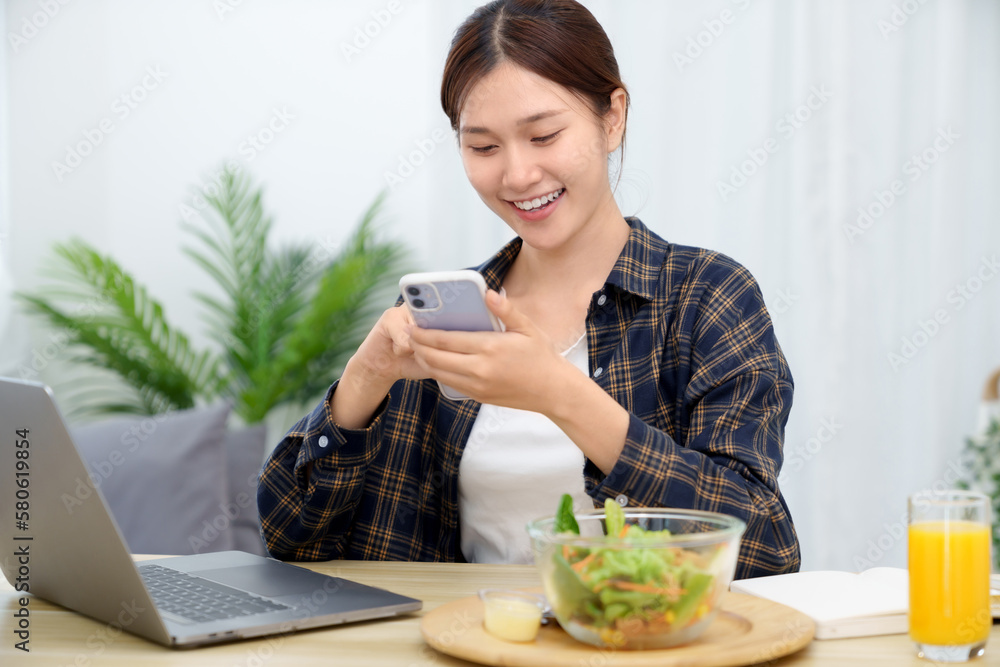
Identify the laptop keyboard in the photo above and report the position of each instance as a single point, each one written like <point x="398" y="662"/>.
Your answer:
<point x="200" y="600"/>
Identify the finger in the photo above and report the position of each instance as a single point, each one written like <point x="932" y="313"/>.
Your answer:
<point x="448" y="368"/>
<point x="512" y="318"/>
<point x="436" y="360"/>
<point x="464" y="342"/>
<point x="401" y="341"/>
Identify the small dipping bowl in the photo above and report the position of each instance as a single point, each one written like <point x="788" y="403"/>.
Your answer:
<point x="513" y="616"/>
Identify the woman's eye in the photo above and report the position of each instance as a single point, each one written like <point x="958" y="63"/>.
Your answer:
<point x="486" y="150"/>
<point x="547" y="138"/>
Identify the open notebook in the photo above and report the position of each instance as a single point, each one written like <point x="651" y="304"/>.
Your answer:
<point x="845" y="604"/>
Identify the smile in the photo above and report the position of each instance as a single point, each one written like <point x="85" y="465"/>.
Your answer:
<point x="539" y="202"/>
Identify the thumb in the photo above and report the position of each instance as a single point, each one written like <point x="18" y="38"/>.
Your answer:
<point x="511" y="317"/>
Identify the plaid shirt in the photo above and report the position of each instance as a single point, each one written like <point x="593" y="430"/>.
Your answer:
<point x="679" y="336"/>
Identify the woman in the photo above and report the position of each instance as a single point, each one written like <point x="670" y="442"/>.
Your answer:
<point x="687" y="394"/>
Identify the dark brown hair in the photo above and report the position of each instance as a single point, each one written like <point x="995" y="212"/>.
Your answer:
<point x="556" y="39"/>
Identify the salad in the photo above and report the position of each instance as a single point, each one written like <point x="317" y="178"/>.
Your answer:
<point x="623" y="591"/>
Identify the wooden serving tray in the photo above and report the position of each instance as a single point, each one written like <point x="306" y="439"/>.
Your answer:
<point x="747" y="630"/>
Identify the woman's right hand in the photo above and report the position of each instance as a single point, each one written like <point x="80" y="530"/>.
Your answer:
<point x="385" y="353"/>
<point x="384" y="357"/>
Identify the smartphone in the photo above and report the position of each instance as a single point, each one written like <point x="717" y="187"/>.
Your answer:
<point x="449" y="300"/>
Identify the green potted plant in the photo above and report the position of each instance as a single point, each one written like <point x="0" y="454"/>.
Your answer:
<point x="287" y="322"/>
<point x="982" y="452"/>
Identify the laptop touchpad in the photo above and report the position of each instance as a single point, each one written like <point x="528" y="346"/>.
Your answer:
<point x="266" y="579"/>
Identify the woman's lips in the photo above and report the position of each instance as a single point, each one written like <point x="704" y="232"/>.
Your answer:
<point x="541" y="212"/>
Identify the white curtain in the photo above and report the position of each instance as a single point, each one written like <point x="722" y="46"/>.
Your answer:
<point x="889" y="320"/>
<point x="7" y="354"/>
<point x="804" y="112"/>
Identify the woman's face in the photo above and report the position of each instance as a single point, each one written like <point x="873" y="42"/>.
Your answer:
<point x="537" y="155"/>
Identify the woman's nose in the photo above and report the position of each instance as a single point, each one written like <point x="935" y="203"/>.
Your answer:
<point x="520" y="170"/>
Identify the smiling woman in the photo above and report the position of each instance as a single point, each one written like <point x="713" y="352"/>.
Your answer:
<point x="630" y="368"/>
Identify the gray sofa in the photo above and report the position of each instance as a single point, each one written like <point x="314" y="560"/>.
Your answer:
<point x="178" y="483"/>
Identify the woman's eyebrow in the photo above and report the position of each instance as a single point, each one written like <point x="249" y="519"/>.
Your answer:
<point x="541" y="115"/>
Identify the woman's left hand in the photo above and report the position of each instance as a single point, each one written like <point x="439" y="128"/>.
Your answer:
<point x="519" y="368"/>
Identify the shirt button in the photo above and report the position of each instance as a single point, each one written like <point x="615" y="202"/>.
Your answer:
<point x="622" y="499"/>
<point x="323" y="441"/>
<point x="597" y="373"/>
<point x="601" y="300"/>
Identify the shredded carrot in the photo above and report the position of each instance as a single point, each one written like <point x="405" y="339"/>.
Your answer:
<point x="566" y="551"/>
<point x="623" y="531"/>
<point x="583" y="562"/>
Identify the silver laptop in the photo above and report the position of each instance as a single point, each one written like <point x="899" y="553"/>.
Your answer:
<point x="73" y="554"/>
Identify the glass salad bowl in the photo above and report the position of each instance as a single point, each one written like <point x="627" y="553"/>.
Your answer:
<point x="635" y="578"/>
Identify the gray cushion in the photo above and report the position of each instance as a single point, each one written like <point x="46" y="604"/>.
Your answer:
<point x="244" y="458"/>
<point x="164" y="477"/>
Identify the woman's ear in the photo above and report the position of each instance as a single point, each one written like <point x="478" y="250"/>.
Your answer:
<point x="614" y="119"/>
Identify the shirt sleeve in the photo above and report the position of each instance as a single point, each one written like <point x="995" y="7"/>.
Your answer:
<point x="312" y="483"/>
<point x="730" y="421"/>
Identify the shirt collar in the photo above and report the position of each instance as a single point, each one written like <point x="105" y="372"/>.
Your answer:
<point x="495" y="268"/>
<point x="637" y="269"/>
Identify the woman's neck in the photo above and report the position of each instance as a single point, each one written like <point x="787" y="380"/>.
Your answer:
<point x="553" y="286"/>
<point x="582" y="263"/>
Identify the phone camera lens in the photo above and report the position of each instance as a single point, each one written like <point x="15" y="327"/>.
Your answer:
<point x="418" y="303"/>
<point x="413" y="291"/>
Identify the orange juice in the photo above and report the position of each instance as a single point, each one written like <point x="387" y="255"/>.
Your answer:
<point x="949" y="582"/>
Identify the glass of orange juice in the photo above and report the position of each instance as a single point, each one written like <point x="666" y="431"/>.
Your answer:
<point x="949" y="563"/>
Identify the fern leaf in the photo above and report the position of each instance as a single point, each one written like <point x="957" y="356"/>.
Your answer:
<point x="334" y="323"/>
<point x="124" y="330"/>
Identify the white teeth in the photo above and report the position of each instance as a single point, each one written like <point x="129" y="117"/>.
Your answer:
<point x="539" y="201"/>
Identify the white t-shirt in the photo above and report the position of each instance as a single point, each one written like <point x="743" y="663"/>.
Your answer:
<point x="516" y="466"/>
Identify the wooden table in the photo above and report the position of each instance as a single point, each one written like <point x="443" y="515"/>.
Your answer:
<point x="62" y="638"/>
